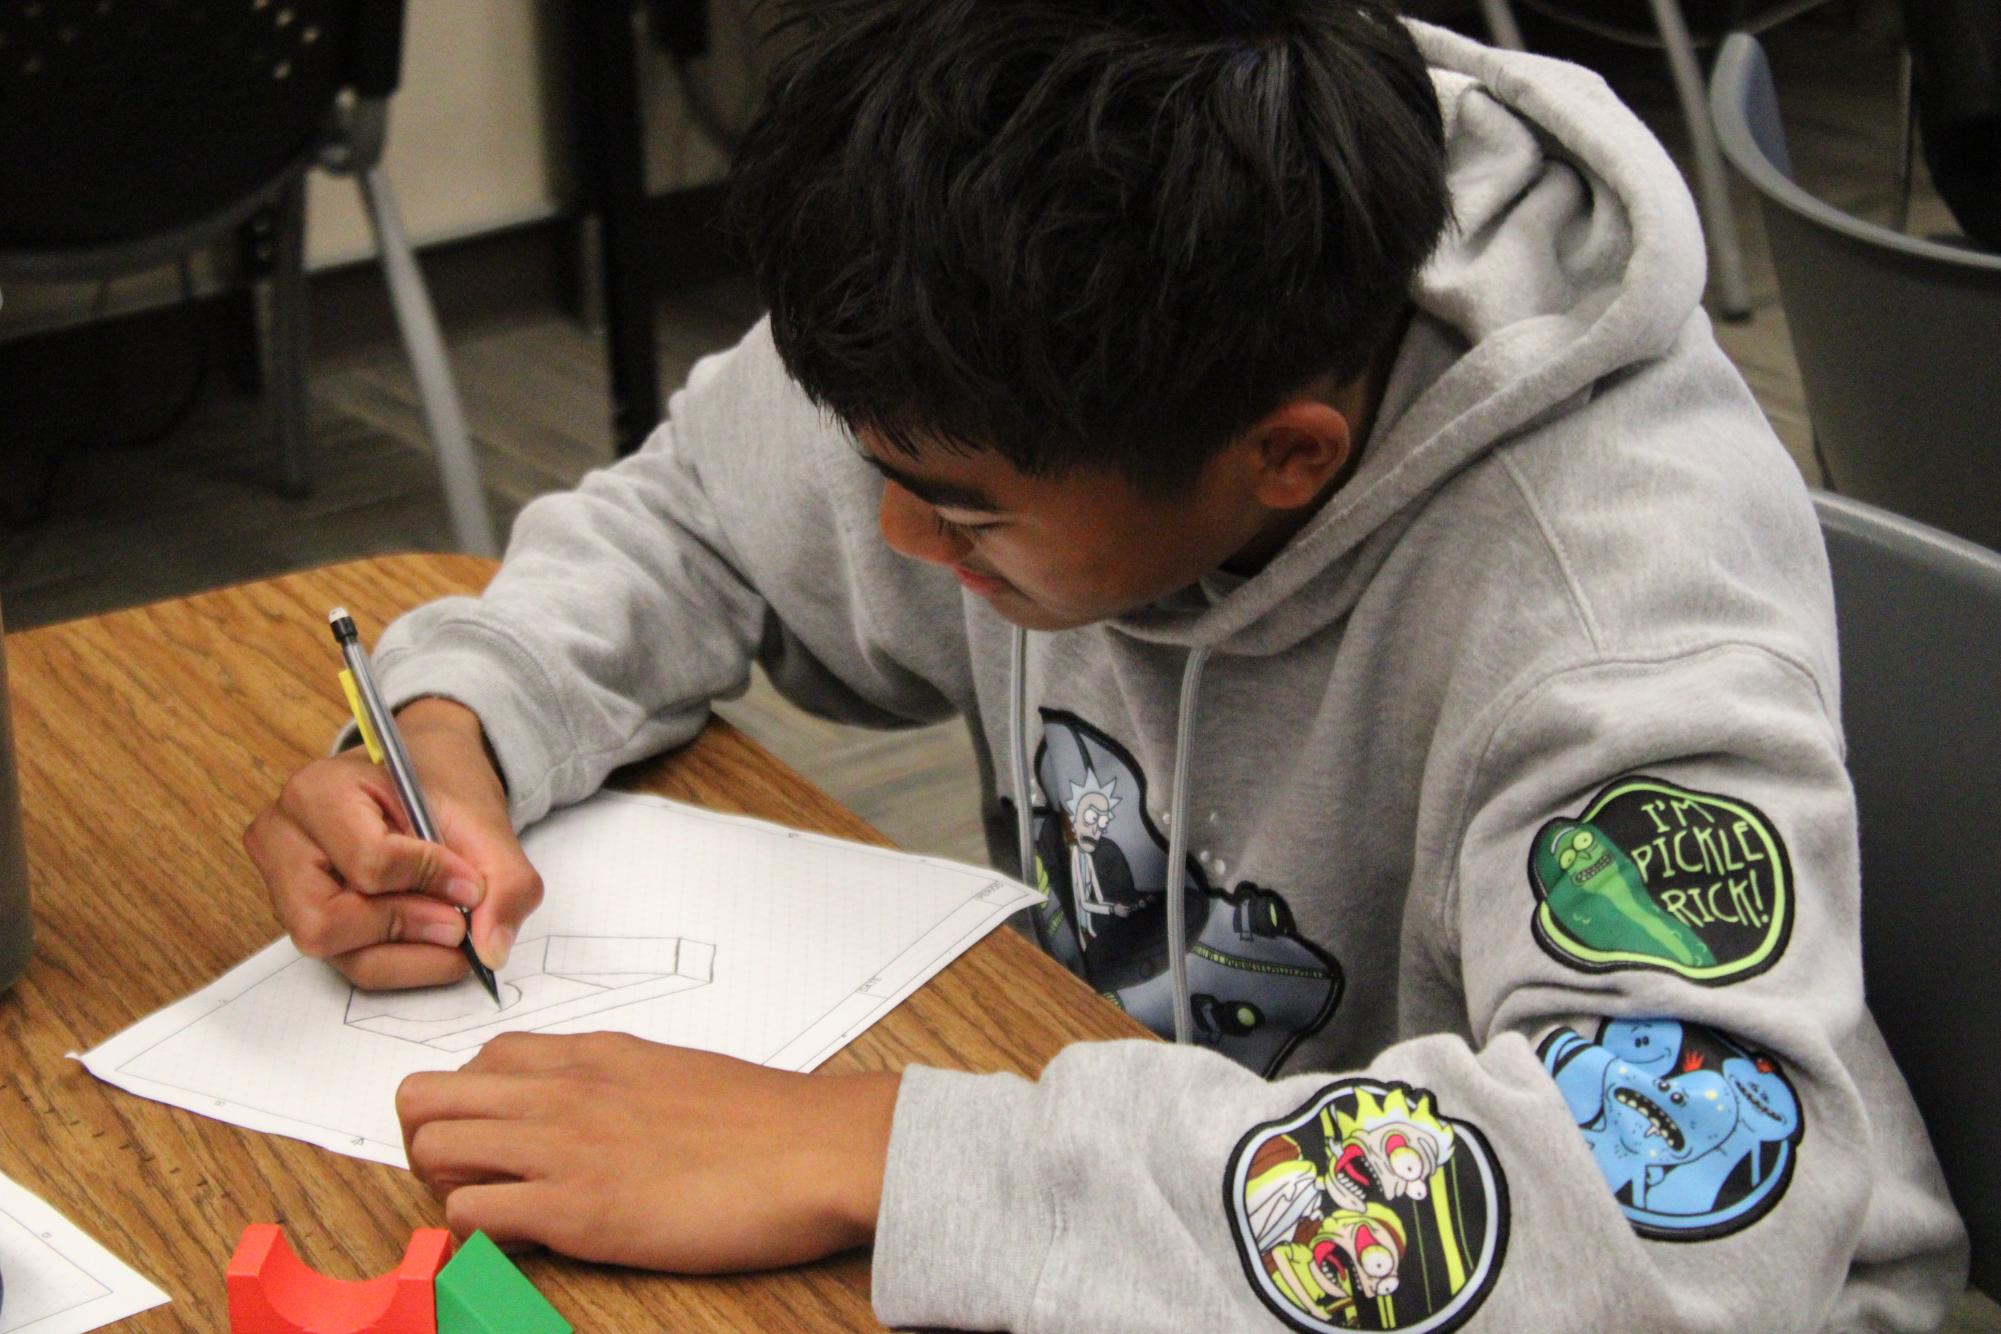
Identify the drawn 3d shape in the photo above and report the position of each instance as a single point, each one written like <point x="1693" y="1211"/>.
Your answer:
<point x="548" y="980"/>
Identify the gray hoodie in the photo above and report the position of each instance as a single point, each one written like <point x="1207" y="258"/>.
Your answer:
<point x="1490" y="850"/>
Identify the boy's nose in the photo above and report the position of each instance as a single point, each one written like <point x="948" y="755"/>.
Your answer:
<point x="910" y="527"/>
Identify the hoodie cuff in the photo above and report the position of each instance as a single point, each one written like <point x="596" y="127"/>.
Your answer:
<point x="965" y="1223"/>
<point x="514" y="724"/>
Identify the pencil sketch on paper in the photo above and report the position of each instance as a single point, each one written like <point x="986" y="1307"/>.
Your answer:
<point x="546" y="981"/>
<point x="662" y="921"/>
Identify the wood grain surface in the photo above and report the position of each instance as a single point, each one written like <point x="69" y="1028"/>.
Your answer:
<point x="146" y="740"/>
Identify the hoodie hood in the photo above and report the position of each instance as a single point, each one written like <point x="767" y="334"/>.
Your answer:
<point x="1573" y="252"/>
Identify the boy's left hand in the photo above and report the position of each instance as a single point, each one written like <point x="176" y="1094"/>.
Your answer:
<point x="610" y="1148"/>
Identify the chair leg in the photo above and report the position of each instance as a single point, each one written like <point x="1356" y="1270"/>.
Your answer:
<point x="279" y="303"/>
<point x="1712" y="187"/>
<point x="1501" y="26"/>
<point x="1820" y="461"/>
<point x="472" y="526"/>
<point x="1907" y="139"/>
<point x="588" y="274"/>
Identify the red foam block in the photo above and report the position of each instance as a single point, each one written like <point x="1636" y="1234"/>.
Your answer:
<point x="272" y="1291"/>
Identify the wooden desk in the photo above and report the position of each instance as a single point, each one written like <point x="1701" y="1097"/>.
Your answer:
<point x="146" y="740"/>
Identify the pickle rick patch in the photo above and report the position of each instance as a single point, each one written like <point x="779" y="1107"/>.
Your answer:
<point x="1652" y="875"/>
<point x="1368" y="1209"/>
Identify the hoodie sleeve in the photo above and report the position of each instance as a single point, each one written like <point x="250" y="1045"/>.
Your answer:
<point x="626" y="605"/>
<point x="1667" y="1107"/>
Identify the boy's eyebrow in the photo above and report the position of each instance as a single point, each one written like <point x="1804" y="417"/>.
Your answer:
<point x="952" y="495"/>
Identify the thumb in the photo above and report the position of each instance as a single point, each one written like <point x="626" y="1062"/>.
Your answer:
<point x="513" y="890"/>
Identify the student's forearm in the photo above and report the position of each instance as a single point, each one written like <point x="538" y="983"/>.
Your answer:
<point x="436" y="713"/>
<point x="859" y="1113"/>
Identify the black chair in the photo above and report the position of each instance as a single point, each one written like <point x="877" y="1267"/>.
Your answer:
<point x="1895" y="336"/>
<point x="135" y="131"/>
<point x="1954" y="68"/>
<point x="1920" y="619"/>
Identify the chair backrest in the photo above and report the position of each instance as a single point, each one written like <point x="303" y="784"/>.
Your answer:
<point x="1920" y="620"/>
<point x="1896" y="337"/>
<point x="122" y="120"/>
<point x="1636" y="23"/>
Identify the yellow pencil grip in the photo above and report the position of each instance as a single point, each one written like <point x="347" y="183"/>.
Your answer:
<point x="360" y="715"/>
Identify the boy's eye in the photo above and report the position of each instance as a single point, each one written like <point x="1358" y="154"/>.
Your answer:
<point x="947" y="528"/>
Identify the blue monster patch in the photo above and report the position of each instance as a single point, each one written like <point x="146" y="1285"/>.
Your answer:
<point x="1696" y="1134"/>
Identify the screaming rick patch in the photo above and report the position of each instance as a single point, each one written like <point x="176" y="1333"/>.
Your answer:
<point x="1655" y="876"/>
<point x="1368" y="1209"/>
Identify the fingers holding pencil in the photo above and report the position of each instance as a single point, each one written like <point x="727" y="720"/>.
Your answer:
<point x="350" y="883"/>
<point x="383" y="935"/>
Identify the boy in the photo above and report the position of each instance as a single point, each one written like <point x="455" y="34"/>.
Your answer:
<point x="1430" y="708"/>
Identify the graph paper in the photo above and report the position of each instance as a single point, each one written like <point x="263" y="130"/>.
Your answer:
<point x="661" y="920"/>
<point x="58" y="1280"/>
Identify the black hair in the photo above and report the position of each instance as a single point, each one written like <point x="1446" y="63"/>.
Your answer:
<point x="1108" y="234"/>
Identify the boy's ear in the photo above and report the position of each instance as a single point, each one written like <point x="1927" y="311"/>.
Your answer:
<point x="1295" y="451"/>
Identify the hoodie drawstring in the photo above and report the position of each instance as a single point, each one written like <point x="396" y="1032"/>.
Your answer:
<point x="1177" y="848"/>
<point x="1177" y="818"/>
<point x="1017" y="725"/>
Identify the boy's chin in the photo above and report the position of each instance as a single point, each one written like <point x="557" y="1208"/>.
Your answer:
<point x="1016" y="609"/>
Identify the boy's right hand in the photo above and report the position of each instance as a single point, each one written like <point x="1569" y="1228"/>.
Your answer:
<point x="351" y="882"/>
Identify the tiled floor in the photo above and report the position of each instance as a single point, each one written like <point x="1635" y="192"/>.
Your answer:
<point x="196" y="511"/>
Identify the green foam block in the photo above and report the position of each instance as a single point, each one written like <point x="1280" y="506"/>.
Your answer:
<point x="481" y="1292"/>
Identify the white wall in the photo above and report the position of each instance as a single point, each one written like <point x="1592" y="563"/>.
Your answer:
<point x="479" y="139"/>
<point x="469" y="134"/>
